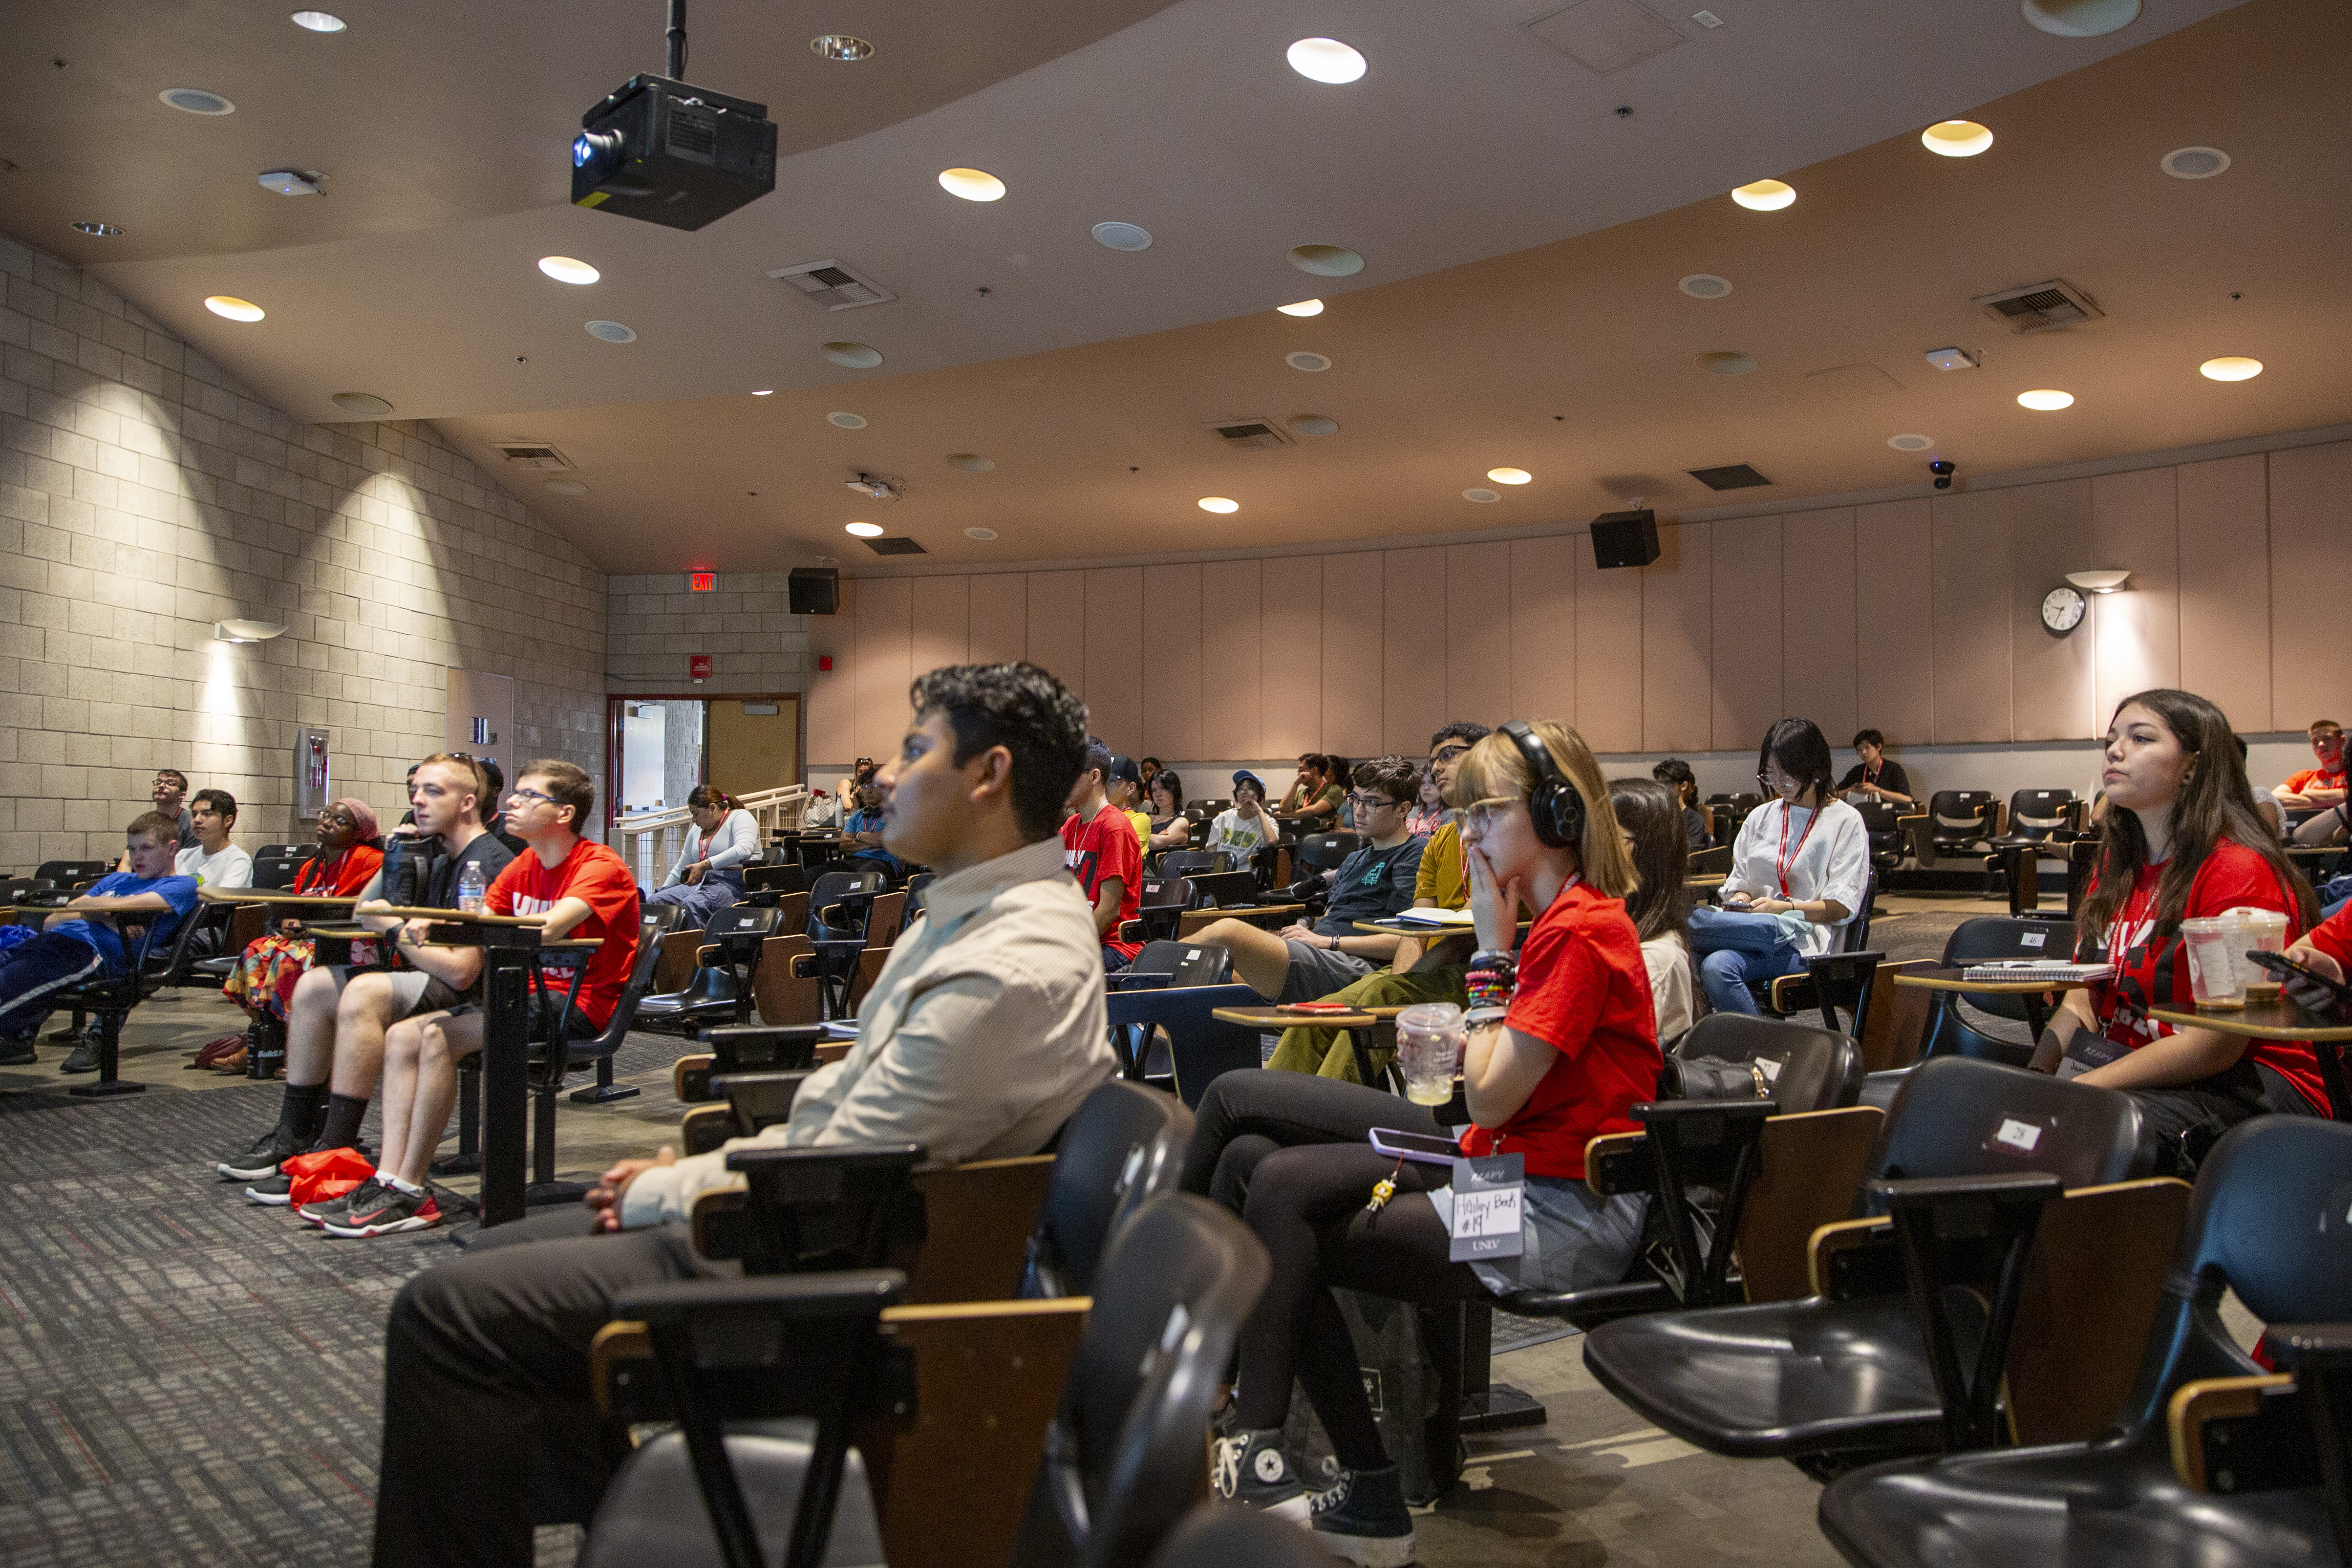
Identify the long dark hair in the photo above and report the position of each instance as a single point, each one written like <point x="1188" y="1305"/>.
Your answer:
<point x="1653" y="814"/>
<point x="2215" y="803"/>
<point x="1803" y="754"/>
<point x="706" y="796"/>
<point x="1166" y="779"/>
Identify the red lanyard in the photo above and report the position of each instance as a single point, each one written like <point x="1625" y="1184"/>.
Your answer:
<point x="1785" y="857"/>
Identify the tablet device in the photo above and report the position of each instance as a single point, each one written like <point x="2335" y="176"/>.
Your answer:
<point x="1423" y="1147"/>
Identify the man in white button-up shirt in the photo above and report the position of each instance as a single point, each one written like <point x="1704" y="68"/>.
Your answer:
<point x="982" y="1033"/>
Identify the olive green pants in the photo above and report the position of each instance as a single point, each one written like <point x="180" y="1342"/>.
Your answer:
<point x="1327" y="1052"/>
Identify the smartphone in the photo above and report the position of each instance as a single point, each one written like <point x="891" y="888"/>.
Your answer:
<point x="1421" y="1147"/>
<point x="2282" y="966"/>
<point x="1317" y="1007"/>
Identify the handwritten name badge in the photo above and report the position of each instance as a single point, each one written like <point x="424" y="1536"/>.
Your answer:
<point x="1488" y="1195"/>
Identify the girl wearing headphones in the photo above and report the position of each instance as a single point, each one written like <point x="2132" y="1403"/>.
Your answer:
<point x="1800" y="870"/>
<point x="1562" y="1041"/>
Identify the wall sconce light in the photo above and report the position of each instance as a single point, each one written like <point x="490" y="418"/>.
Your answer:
<point x="247" y="631"/>
<point x="2102" y="581"/>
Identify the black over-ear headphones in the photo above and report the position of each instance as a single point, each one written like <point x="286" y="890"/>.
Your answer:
<point x="1556" y="808"/>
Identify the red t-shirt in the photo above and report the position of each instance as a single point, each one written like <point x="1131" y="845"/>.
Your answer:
<point x="2154" y="973"/>
<point x="347" y="873"/>
<point x="1106" y="847"/>
<point x="2314" y="778"/>
<point x="2333" y="936"/>
<point x="600" y="879"/>
<point x="1584" y="991"/>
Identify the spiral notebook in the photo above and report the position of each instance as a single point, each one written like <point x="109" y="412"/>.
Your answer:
<point x="2053" y="971"/>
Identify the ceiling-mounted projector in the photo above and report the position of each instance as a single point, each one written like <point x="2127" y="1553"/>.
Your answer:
<point x="669" y="153"/>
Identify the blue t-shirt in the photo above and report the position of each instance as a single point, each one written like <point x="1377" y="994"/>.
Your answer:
<point x="871" y="822"/>
<point x="180" y="892"/>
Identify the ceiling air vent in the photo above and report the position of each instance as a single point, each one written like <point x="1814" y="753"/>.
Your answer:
<point x="834" y="286"/>
<point x="1249" y="435"/>
<point x="1737" y="477"/>
<point x="896" y="547"/>
<point x="2038" y="306"/>
<point x="535" y="455"/>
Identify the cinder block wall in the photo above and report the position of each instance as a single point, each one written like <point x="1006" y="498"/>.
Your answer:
<point x="145" y="494"/>
<point x="755" y="645"/>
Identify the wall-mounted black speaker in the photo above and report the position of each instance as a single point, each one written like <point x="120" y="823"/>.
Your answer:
<point x="816" y="590"/>
<point x="1625" y="539"/>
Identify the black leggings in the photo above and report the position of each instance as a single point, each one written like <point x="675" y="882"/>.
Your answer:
<point x="2211" y="1105"/>
<point x="1288" y="1152"/>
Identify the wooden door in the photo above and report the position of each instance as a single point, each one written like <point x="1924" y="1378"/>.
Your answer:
<point x="754" y="744"/>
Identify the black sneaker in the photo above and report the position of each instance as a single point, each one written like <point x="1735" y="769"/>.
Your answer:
<point x="268" y="1152"/>
<point x="336" y="1209"/>
<point x="83" y="1059"/>
<point x="1364" y="1520"/>
<point x="276" y="1191"/>
<point x="16" y="1051"/>
<point x="388" y="1213"/>
<point x="1251" y="1469"/>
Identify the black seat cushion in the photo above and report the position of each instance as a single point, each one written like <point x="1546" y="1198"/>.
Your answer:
<point x="653" y="1514"/>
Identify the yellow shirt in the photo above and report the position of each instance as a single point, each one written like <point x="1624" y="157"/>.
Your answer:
<point x="1142" y="820"/>
<point x="1443" y="877"/>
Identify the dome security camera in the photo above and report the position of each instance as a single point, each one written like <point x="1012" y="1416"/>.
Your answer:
<point x="1943" y="469"/>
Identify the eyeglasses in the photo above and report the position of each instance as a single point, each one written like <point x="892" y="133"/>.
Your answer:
<point x="1480" y="815"/>
<point x="1773" y="778"/>
<point x="518" y="793"/>
<point x="1448" y="753"/>
<point x="1363" y="801"/>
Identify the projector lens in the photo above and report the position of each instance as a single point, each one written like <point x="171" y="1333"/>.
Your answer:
<point x="599" y="148"/>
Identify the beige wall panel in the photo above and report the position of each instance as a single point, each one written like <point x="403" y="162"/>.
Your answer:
<point x="2310" y="564"/>
<point x="1057" y="627"/>
<point x="2225" y="587"/>
<point x="1290" y="593"/>
<point x="885" y="663"/>
<point x="942" y="614"/>
<point x="1478" y="623"/>
<point x="1000" y="617"/>
<point x="1543" y="631"/>
<point x="1233" y="664"/>
<point x="2050" y="528"/>
<point x="1115" y="655"/>
<point x="1412" y="648"/>
<point x="1172" y="663"/>
<point x="1745" y="631"/>
<point x="1677" y="642"/>
<point x="1971" y="652"/>
<point x="1893" y="622"/>
<point x="833" y="693"/>
<point x="1351" y="654"/>
<point x="2136" y="524"/>
<point x="1608" y="653"/>
<point x="1818" y="659"/>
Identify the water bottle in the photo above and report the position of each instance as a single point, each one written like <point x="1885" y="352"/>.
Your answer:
<point x="1430" y="1040"/>
<point x="469" y="886"/>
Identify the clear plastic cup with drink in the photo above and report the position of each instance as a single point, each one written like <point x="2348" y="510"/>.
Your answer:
<point x="1430" y="1037"/>
<point x="2214" y="981"/>
<point x="2259" y="931"/>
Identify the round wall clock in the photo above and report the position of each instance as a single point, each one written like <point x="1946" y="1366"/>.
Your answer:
<point x="2061" y="610"/>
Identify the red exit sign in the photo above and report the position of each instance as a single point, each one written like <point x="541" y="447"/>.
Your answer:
<point x="702" y="582"/>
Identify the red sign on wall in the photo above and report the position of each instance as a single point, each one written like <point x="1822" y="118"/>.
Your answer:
<point x="698" y="665"/>
<point x="702" y="582"/>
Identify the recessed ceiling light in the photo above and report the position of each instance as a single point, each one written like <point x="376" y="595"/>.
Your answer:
<point x="1326" y="260"/>
<point x="846" y="420"/>
<point x="2046" y="400"/>
<point x="612" y="332"/>
<point x="840" y="47"/>
<point x="863" y="530"/>
<point x="1765" y="196"/>
<point x="1482" y="496"/>
<point x="1303" y="359"/>
<point x="235" y="309"/>
<point x="857" y="356"/>
<point x="1509" y="475"/>
<point x="980" y="534"/>
<point x="1326" y="60"/>
<point x="765" y="391"/>
<point x="366" y="405"/>
<point x="99" y="230"/>
<point x="1724" y="362"/>
<point x="564" y="269"/>
<point x="2194" y="163"/>
<point x="1219" y="504"/>
<point x="1313" y="424"/>
<point x="567" y="487"/>
<point x="971" y="463"/>
<point x="196" y="100"/>
<point x="1303" y="307"/>
<point x="1956" y="137"/>
<point x="1910" y="443"/>
<point x="2079" y="18"/>
<point x="972" y="184"/>
<point x="290" y="182"/>
<point x="317" y="21"/>
<point x="2230" y="368"/>
<point x="1122" y="236"/>
<point x="1704" y="286"/>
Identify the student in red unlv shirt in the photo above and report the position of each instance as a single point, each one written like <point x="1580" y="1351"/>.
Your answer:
<point x="2182" y="841"/>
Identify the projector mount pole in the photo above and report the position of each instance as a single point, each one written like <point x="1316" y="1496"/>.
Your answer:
<point x="677" y="40"/>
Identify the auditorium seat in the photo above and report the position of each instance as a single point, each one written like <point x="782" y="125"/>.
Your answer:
<point x="725" y="965"/>
<point x="1957" y="822"/>
<point x="1982" y="941"/>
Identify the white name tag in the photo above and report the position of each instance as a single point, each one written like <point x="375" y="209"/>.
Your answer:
<point x="1770" y="1068"/>
<point x="2020" y="1135"/>
<point x="1488" y="1195"/>
<point x="2033" y="939"/>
